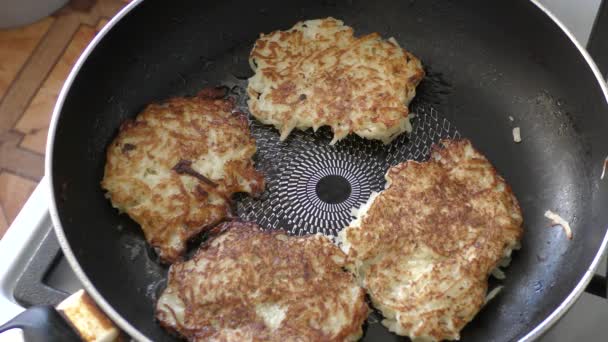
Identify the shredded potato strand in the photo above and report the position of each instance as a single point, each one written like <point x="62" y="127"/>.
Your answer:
<point x="558" y="221"/>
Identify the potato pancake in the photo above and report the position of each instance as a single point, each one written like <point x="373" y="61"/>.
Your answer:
<point x="318" y="74"/>
<point x="424" y="247"/>
<point x="246" y="284"/>
<point x="174" y="168"/>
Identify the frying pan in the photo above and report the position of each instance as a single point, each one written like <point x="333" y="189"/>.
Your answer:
<point x="491" y="66"/>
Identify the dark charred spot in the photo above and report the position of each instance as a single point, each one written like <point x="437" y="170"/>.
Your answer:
<point x="201" y="193"/>
<point x="213" y="93"/>
<point x="184" y="167"/>
<point x="302" y="97"/>
<point x="127" y="147"/>
<point x="307" y="271"/>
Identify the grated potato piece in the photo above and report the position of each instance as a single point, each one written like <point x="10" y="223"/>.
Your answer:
<point x="495" y="291"/>
<point x="516" y="135"/>
<point x="558" y="221"/>
<point x="498" y="274"/>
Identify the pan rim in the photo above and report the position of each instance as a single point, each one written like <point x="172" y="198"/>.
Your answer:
<point x="132" y="331"/>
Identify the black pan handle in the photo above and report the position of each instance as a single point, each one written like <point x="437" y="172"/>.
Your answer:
<point x="42" y="323"/>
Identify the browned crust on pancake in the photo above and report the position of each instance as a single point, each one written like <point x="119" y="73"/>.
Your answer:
<point x="242" y="267"/>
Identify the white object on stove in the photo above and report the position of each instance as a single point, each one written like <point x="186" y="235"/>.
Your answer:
<point x="19" y="244"/>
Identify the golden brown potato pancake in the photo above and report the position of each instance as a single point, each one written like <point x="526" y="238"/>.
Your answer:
<point x="246" y="284"/>
<point x="319" y="74"/>
<point x="174" y="168"/>
<point x="424" y="247"/>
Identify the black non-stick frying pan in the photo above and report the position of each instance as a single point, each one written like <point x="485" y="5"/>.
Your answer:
<point x="491" y="66"/>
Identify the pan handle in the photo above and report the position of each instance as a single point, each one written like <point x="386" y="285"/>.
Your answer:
<point x="42" y="323"/>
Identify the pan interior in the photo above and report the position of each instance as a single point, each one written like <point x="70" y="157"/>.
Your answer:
<point x="482" y="67"/>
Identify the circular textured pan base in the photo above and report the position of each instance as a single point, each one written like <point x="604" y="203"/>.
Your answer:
<point x="304" y="166"/>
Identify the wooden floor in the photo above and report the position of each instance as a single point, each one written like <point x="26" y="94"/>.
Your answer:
<point x="34" y="62"/>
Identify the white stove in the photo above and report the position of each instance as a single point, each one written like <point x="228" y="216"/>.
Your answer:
<point x="33" y="270"/>
<point x="19" y="245"/>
